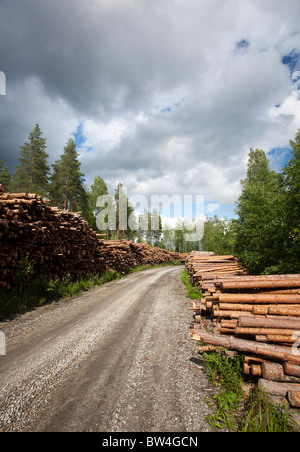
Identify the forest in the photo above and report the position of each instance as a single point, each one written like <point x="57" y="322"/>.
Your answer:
<point x="265" y="235"/>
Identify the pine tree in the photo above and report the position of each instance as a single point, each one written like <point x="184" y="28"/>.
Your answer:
<point x="4" y="175"/>
<point x="32" y="173"/>
<point x="67" y="190"/>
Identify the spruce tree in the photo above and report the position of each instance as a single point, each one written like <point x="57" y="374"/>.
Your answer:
<point x="32" y="173"/>
<point x="4" y="175"/>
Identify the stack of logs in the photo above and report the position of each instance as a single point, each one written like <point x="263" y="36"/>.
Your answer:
<point x="256" y="315"/>
<point x="41" y="240"/>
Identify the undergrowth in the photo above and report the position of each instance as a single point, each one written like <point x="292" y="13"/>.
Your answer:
<point x="193" y="292"/>
<point x="32" y="292"/>
<point x="255" y="414"/>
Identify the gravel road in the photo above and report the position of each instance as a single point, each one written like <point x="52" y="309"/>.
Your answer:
<point x="117" y="359"/>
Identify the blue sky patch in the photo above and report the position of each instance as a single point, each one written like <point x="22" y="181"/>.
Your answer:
<point x="279" y="157"/>
<point x="78" y="136"/>
<point x="80" y="139"/>
<point x="243" y="44"/>
<point x="292" y="60"/>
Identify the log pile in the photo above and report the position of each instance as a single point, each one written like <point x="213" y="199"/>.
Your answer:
<point x="256" y="315"/>
<point x="204" y="267"/>
<point x="123" y="255"/>
<point x="41" y="240"/>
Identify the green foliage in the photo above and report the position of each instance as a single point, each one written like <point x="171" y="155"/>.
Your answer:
<point x="193" y="292"/>
<point x="259" y="212"/>
<point x="98" y="188"/>
<point x="124" y="211"/>
<point x="255" y="414"/>
<point x="31" y="293"/>
<point x="219" y="236"/>
<point x="226" y="374"/>
<point x="4" y="175"/>
<point x="267" y="239"/>
<point x="67" y="190"/>
<point x="262" y="416"/>
<point x="32" y="173"/>
<point x="37" y="292"/>
<point x="289" y="263"/>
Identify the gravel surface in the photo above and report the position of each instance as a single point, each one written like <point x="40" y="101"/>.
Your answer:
<point x="116" y="359"/>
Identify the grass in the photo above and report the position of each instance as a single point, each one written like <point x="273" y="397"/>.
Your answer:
<point x="192" y="292"/>
<point x="38" y="292"/>
<point x="226" y="375"/>
<point x="30" y="292"/>
<point x="255" y="414"/>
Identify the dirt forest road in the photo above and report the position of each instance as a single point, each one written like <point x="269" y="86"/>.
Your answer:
<point x="116" y="359"/>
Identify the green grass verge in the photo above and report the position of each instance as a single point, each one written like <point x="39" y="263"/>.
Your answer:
<point x="192" y="292"/>
<point x="31" y="293"/>
<point x="255" y="414"/>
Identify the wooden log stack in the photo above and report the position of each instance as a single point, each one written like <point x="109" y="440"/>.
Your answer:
<point x="36" y="239"/>
<point x="256" y="315"/>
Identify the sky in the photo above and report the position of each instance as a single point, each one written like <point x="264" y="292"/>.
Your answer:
<point x="165" y="96"/>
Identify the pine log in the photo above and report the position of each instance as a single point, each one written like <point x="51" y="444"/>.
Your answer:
<point x="294" y="398"/>
<point x="275" y="372"/>
<point x="276" y="338"/>
<point x="229" y="314"/>
<point x="260" y="284"/>
<point x="291" y="369"/>
<point x="273" y="355"/>
<point x="237" y="307"/>
<point x="259" y="298"/>
<point x="256" y="370"/>
<point x="260" y="310"/>
<point x="268" y="351"/>
<point x="277" y="389"/>
<point x="207" y="348"/>
<point x="236" y="344"/>
<point x="253" y="360"/>
<point x="261" y="322"/>
<point x="246" y="369"/>
<point x="264" y="331"/>
<point x="293" y="310"/>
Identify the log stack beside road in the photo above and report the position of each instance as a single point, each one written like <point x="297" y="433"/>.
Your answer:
<point x="37" y="239"/>
<point x="258" y="316"/>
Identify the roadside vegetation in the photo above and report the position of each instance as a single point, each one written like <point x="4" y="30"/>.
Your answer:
<point x="265" y="235"/>
<point x="192" y="292"/>
<point x="30" y="293"/>
<point x="256" y="413"/>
